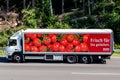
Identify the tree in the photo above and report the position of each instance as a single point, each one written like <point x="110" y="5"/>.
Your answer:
<point x="7" y="5"/>
<point x="62" y="6"/>
<point x="75" y="2"/>
<point x="84" y="6"/>
<point x="33" y="3"/>
<point x="89" y="10"/>
<point x="93" y="4"/>
<point x="24" y="2"/>
<point x="44" y="14"/>
<point x="51" y="7"/>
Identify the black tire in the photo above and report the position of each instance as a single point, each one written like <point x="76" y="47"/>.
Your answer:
<point x="71" y="59"/>
<point x="17" y="58"/>
<point x="86" y="59"/>
<point x="103" y="61"/>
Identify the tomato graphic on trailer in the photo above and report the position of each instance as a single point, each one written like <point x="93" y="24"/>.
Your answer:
<point x="37" y="42"/>
<point x="61" y="48"/>
<point x="27" y="47"/>
<point x="64" y="42"/>
<point x="67" y="42"/>
<point x="70" y="37"/>
<point x="47" y="40"/>
<point x="43" y="48"/>
<point x="54" y="38"/>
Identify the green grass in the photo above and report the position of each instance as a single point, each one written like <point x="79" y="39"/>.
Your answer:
<point x="116" y="54"/>
<point x="2" y="53"/>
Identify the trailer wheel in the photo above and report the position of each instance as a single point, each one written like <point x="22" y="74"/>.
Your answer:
<point x="103" y="61"/>
<point x="72" y="59"/>
<point x="86" y="59"/>
<point x="17" y="58"/>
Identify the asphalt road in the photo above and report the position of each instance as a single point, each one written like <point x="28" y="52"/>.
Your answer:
<point x="60" y="71"/>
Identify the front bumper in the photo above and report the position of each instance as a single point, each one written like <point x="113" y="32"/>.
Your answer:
<point x="9" y="57"/>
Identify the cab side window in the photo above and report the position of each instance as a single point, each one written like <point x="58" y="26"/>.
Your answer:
<point x="12" y="42"/>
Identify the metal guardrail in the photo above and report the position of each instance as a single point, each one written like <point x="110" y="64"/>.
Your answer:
<point x="2" y="48"/>
<point x="116" y="50"/>
<point x="2" y="51"/>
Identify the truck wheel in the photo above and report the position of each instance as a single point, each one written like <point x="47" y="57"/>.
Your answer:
<point x="17" y="58"/>
<point x="72" y="59"/>
<point x="85" y="59"/>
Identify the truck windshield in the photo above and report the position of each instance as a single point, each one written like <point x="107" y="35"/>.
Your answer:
<point x="12" y="42"/>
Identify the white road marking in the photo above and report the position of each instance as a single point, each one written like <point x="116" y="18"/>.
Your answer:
<point x="106" y="74"/>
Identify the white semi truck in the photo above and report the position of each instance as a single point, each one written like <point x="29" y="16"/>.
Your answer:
<point x="72" y="45"/>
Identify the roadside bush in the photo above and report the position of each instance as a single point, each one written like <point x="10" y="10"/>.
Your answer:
<point x="117" y="46"/>
<point x="3" y="42"/>
<point x="59" y="25"/>
<point x="29" y="17"/>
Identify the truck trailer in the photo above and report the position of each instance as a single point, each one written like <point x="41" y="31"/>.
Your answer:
<point x="71" y="45"/>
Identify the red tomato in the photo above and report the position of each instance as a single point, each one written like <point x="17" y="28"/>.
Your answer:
<point x="33" y="36"/>
<point x="70" y="37"/>
<point x="38" y="35"/>
<point x="34" y="49"/>
<point x="84" y="47"/>
<point x="50" y="48"/>
<point x="70" y="46"/>
<point x="50" y="35"/>
<point x="53" y="39"/>
<point x="27" y="35"/>
<point x="27" y="47"/>
<point x="78" y="48"/>
<point x="55" y="46"/>
<point x="69" y="50"/>
<point x="47" y="40"/>
<point x="61" y="48"/>
<point x="63" y="36"/>
<point x="37" y="42"/>
<point x="27" y="40"/>
<point x="75" y="42"/>
<point x="63" y="42"/>
<point x="75" y="37"/>
<point x="43" y="48"/>
<point x="85" y="38"/>
<point x="31" y="44"/>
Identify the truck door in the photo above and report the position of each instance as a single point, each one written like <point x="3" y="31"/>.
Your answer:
<point x="12" y="46"/>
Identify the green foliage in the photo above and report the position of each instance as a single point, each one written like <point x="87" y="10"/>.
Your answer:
<point x="104" y="7"/>
<point x="3" y="41"/>
<point x="59" y="25"/>
<point x="117" y="46"/>
<point x="112" y="21"/>
<point x="67" y="19"/>
<point x="91" y="20"/>
<point x="43" y="13"/>
<point x="117" y="54"/>
<point x="7" y="33"/>
<point x="29" y="17"/>
<point x="117" y="9"/>
<point x="4" y="38"/>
